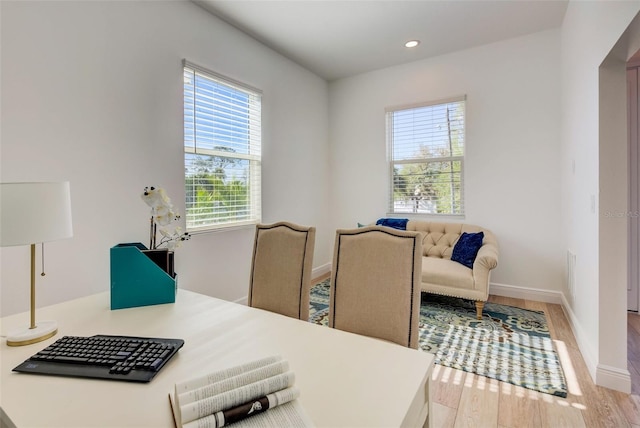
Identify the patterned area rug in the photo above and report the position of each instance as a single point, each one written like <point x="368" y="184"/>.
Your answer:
<point x="509" y="344"/>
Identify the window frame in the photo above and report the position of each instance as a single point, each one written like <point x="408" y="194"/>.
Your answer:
<point x="253" y="157"/>
<point x="393" y="163"/>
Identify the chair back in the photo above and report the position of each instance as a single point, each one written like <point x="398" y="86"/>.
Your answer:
<point x="281" y="269"/>
<point x="375" y="283"/>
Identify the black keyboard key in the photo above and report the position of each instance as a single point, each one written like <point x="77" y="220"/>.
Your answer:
<point x="70" y="359"/>
<point x="156" y="364"/>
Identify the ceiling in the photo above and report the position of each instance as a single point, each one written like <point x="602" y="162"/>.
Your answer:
<point x="336" y="39"/>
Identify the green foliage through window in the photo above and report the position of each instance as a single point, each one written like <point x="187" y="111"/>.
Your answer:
<point x="221" y="151"/>
<point x="426" y="146"/>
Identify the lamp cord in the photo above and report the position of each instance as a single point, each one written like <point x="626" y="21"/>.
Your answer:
<point x="42" y="252"/>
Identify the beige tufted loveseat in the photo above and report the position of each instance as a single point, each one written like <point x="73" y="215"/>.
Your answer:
<point x="441" y="275"/>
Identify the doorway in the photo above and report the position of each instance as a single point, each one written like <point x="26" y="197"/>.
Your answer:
<point x="633" y="214"/>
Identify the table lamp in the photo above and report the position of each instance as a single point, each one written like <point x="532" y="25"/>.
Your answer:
<point x="32" y="213"/>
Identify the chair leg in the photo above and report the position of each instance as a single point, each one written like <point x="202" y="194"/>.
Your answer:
<point x="479" y="308"/>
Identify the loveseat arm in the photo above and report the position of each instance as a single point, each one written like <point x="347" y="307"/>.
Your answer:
<point x="486" y="260"/>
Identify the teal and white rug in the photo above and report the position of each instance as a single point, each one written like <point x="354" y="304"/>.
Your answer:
<point x="509" y="344"/>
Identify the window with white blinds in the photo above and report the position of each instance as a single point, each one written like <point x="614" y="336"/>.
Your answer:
<point x="222" y="143"/>
<point x="426" y="152"/>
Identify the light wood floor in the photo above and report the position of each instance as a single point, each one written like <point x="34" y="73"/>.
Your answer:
<point x="463" y="399"/>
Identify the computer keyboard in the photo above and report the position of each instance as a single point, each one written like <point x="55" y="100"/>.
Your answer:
<point x="135" y="359"/>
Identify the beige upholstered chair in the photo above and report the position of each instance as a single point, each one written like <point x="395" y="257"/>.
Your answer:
<point x="375" y="283"/>
<point x="281" y="269"/>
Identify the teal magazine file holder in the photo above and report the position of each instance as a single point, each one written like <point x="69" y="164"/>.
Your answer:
<point x="136" y="280"/>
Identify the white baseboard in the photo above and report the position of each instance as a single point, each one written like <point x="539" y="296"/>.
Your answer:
<point x="321" y="270"/>
<point x="602" y="375"/>
<point x="589" y="355"/>
<point x="546" y="296"/>
<point x="243" y="300"/>
<point x="613" y="378"/>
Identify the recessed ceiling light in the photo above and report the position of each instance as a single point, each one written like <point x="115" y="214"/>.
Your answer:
<point x="412" y="43"/>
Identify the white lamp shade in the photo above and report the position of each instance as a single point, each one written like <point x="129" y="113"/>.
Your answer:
<point x="31" y="213"/>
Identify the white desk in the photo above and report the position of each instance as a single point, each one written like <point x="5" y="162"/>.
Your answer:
<point x="344" y="379"/>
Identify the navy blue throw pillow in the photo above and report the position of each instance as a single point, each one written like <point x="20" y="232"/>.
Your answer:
<point x="466" y="249"/>
<point x="396" y="223"/>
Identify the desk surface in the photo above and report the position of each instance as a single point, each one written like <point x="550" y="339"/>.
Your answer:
<point x="344" y="379"/>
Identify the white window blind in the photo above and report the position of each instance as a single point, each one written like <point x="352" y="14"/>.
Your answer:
<point x="222" y="150"/>
<point x="426" y="151"/>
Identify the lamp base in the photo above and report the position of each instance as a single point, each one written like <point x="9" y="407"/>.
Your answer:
<point x="27" y="336"/>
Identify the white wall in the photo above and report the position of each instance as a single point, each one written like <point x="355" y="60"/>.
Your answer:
<point x="594" y="140"/>
<point x="92" y="93"/>
<point x="512" y="146"/>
